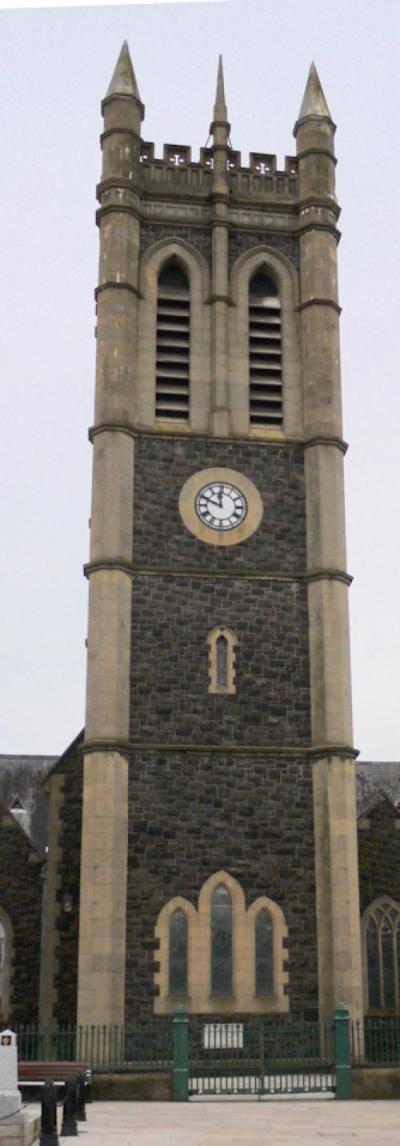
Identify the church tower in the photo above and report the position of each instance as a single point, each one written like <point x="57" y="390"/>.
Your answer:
<point x="218" y="857"/>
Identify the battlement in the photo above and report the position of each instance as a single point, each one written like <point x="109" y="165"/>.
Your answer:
<point x="176" y="168"/>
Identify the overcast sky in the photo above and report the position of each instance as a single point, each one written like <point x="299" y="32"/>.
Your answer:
<point x="55" y="67"/>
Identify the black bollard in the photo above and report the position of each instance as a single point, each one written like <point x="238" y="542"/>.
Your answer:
<point x="80" y="1099"/>
<point x="48" y="1120"/>
<point x="88" y="1085"/>
<point x="69" y="1127"/>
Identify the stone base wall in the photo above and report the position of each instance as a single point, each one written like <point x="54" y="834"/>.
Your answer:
<point x="122" y="1087"/>
<point x="376" y="1082"/>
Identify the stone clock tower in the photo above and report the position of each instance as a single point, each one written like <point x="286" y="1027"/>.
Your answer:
<point x="218" y="859"/>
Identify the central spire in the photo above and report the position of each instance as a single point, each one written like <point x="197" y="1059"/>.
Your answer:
<point x="220" y="108"/>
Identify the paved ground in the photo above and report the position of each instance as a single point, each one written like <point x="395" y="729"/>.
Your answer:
<point x="300" y="1122"/>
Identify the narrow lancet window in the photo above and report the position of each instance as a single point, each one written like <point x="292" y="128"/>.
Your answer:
<point x="222" y="644"/>
<point x="264" y="947"/>
<point x="173" y="343"/>
<point x="221" y="941"/>
<point x="178" y="954"/>
<point x="222" y="662"/>
<point x="265" y="352"/>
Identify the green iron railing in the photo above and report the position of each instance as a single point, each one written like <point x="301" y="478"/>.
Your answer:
<point x="376" y="1042"/>
<point x="134" y="1047"/>
<point x="258" y="1056"/>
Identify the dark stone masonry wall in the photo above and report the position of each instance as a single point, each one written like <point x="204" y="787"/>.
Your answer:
<point x="162" y="465"/>
<point x="21" y="899"/>
<point x="240" y="241"/>
<point x="69" y="872"/>
<point x="191" y="815"/>
<point x="199" y="237"/>
<point x="170" y="701"/>
<point x="379" y="854"/>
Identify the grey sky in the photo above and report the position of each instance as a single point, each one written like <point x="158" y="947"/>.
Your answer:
<point x="55" y="68"/>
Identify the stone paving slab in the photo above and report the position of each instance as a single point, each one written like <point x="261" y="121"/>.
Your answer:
<point x="289" y="1122"/>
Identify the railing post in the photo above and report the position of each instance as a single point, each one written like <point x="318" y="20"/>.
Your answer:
<point x="342" y="1051"/>
<point x="180" y="1070"/>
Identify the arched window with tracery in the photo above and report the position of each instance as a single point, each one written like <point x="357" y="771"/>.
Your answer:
<point x="173" y="343"/>
<point x="178" y="954"/>
<point x="382" y="954"/>
<point x="221" y="941"/>
<point x="264" y="953"/>
<point x="265" y="352"/>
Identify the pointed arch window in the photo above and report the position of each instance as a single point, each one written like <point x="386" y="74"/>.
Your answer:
<point x="222" y="644"/>
<point x="265" y="352"/>
<point x="247" y="966"/>
<point x="178" y="954"/>
<point x="221" y="941"/>
<point x="173" y="343"/>
<point x="382" y="954"/>
<point x="264" y="949"/>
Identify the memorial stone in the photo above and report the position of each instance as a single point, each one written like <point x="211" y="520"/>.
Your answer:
<point x="18" y="1127"/>
<point x="10" y="1097"/>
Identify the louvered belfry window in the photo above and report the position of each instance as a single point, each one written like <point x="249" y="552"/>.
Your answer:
<point x="265" y="352"/>
<point x="173" y="343"/>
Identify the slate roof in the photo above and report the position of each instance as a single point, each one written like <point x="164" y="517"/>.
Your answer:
<point x="21" y="777"/>
<point x="376" y="778"/>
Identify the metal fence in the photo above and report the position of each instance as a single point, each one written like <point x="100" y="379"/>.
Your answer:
<point x="260" y="1057"/>
<point x="134" y="1047"/>
<point x="376" y="1042"/>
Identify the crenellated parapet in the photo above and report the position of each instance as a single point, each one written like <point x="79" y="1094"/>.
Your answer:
<point x="260" y="178"/>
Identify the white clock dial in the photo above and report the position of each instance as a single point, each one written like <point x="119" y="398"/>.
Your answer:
<point x="221" y="505"/>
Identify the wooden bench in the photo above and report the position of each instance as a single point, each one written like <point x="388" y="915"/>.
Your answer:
<point x="37" y="1073"/>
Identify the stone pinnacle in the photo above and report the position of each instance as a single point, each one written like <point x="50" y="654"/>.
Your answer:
<point x="314" y="102"/>
<point x="123" y="81"/>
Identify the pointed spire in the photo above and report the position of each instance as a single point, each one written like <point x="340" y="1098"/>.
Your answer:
<point x="220" y="108"/>
<point x="123" y="81"/>
<point x="314" y="102"/>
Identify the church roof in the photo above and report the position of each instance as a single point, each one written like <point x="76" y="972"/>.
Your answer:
<point x="377" y="778"/>
<point x="21" y="792"/>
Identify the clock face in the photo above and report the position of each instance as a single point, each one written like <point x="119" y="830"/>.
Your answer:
<point x="221" y="505"/>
